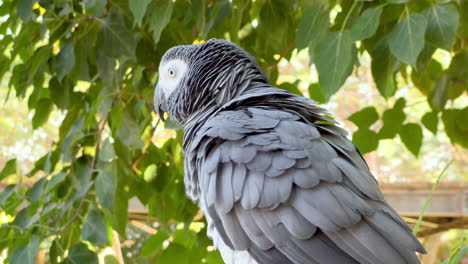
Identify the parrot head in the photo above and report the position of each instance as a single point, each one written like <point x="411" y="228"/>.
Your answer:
<point x="195" y="77"/>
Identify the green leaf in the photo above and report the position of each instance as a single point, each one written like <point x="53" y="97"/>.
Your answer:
<point x="96" y="7"/>
<point x="442" y="23"/>
<point x="458" y="64"/>
<point x="94" y="228"/>
<point x="291" y="87"/>
<point x="334" y="61"/>
<point x="151" y="172"/>
<point x="315" y="93"/>
<point x="392" y="121"/>
<point x="110" y="259"/>
<point x="312" y="27"/>
<point x="106" y="69"/>
<point x="456" y="125"/>
<point x="365" y="117"/>
<point x="161" y="12"/>
<point x="411" y="134"/>
<point x="81" y="254"/>
<point x="43" y="109"/>
<point x="430" y="121"/>
<point x="398" y="1"/>
<point x="366" y="24"/>
<point x="365" y="140"/>
<point x="65" y="61"/>
<point x="59" y="93"/>
<point x="407" y="38"/>
<point x="439" y="94"/>
<point x="8" y="169"/>
<point x="26" y="254"/>
<point x="24" y="9"/>
<point x="384" y="67"/>
<point x="115" y="38"/>
<point x="37" y="190"/>
<point x="106" y="185"/>
<point x="154" y="244"/>
<point x="457" y="256"/>
<point x="138" y="9"/>
<point x="107" y="153"/>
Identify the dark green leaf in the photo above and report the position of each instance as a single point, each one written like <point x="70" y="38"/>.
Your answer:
<point x="438" y="97"/>
<point x="6" y="194"/>
<point x="384" y="67"/>
<point x="24" y="9"/>
<point x="392" y="120"/>
<point x="59" y="93"/>
<point x="312" y="27"/>
<point x="442" y="23"/>
<point x="115" y="38"/>
<point x="8" y="169"/>
<point x="94" y="228"/>
<point x="411" y="135"/>
<point x="456" y="125"/>
<point x="81" y="254"/>
<point x="109" y="259"/>
<point x="315" y="93"/>
<point x="334" y="61"/>
<point x="161" y="13"/>
<point x="366" y="24"/>
<point x="37" y="190"/>
<point x="407" y="38"/>
<point x="106" y="69"/>
<point x="365" y="140"/>
<point x="430" y="121"/>
<point x="458" y="68"/>
<point x="365" y="118"/>
<point x="26" y="254"/>
<point x="95" y="7"/>
<point x="43" y="109"/>
<point x="65" y="61"/>
<point x="106" y="185"/>
<point x="138" y="9"/>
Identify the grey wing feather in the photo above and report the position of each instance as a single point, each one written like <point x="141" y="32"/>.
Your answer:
<point x="288" y="191"/>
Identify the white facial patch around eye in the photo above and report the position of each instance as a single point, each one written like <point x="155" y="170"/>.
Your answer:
<point x="170" y="74"/>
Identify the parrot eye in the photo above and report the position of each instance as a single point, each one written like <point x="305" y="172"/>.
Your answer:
<point x="172" y="73"/>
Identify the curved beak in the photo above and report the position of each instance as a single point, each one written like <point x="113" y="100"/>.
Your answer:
<point x="160" y="103"/>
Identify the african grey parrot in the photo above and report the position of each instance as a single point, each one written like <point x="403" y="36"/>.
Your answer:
<point x="277" y="181"/>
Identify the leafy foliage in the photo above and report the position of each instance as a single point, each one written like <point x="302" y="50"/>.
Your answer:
<point x="96" y="61"/>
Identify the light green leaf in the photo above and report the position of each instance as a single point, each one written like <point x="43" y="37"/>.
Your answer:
<point x="43" y="109"/>
<point x="365" y="140"/>
<point x="138" y="8"/>
<point x="8" y="169"/>
<point x="411" y="134"/>
<point x="312" y="27"/>
<point x="430" y="121"/>
<point x="115" y="38"/>
<point x="81" y="254"/>
<point x="366" y="24"/>
<point x="106" y="185"/>
<point x="24" y="9"/>
<point x="365" y="118"/>
<point x="334" y="61"/>
<point x="442" y="23"/>
<point x="161" y="13"/>
<point x="151" y="172"/>
<point x="457" y="256"/>
<point x="407" y="38"/>
<point x="26" y="254"/>
<point x="94" y="228"/>
<point x="59" y="93"/>
<point x="65" y="61"/>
